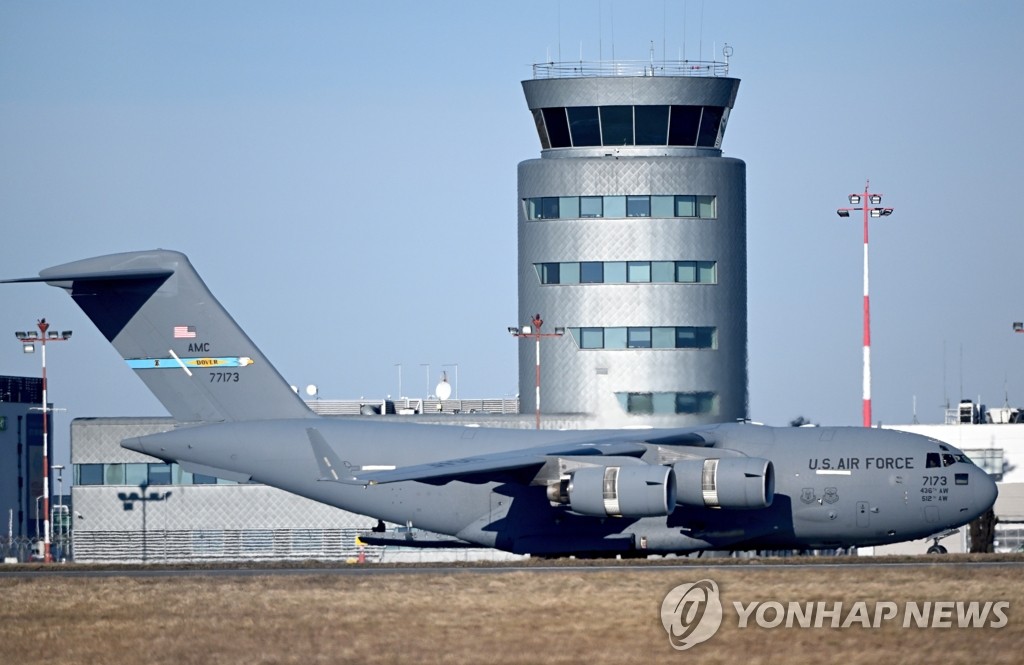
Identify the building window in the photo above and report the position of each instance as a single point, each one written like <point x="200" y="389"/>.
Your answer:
<point x="591" y="272"/>
<point x="591" y="206"/>
<point x="710" y="122"/>
<point x="624" y="125"/>
<point x="668" y="403"/>
<point x="615" y="338"/>
<point x="617" y="125"/>
<point x="136" y="474"/>
<point x="651" y="125"/>
<point x="549" y="207"/>
<point x="160" y="474"/>
<point x="568" y="207"/>
<point x="706" y="207"/>
<point x="638" y="338"/>
<point x="89" y="474"/>
<point x="638" y="271"/>
<point x="683" y="123"/>
<point x="638" y="206"/>
<point x="584" y="126"/>
<point x="696" y="338"/>
<point x="623" y="272"/>
<point x="558" y="127"/>
<point x="615" y="272"/>
<point x="617" y="206"/>
<point x="113" y="474"/>
<point x="640" y="403"/>
<point x="693" y="403"/>
<point x="548" y="273"/>
<point x="591" y="338"/>
<point x="644" y="337"/>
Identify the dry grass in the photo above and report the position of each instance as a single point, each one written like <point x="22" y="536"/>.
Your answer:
<point x="524" y="616"/>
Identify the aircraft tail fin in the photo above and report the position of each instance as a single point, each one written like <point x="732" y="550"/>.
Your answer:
<point x="157" y="312"/>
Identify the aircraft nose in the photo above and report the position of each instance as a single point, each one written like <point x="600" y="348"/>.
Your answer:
<point x="985" y="491"/>
<point x="135" y="444"/>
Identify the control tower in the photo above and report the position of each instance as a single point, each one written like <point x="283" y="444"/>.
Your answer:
<point x="632" y="237"/>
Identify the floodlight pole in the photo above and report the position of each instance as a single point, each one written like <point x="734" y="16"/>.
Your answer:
<point x="532" y="330"/>
<point x="873" y="199"/>
<point x="28" y="339"/>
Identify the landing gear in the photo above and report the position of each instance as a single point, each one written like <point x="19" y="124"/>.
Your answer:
<point x="939" y="549"/>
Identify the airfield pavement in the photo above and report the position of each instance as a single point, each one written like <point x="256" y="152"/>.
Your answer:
<point x="548" y="612"/>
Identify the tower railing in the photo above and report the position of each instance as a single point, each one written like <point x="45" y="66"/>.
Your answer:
<point x="582" y="68"/>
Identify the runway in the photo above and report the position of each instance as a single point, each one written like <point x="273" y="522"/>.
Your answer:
<point x="537" y="567"/>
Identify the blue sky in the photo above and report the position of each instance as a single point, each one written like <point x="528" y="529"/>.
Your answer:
<point x="343" y="175"/>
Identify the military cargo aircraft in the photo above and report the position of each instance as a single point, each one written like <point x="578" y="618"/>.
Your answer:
<point x="730" y="486"/>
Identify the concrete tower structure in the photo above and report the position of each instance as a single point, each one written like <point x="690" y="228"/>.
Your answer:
<point x="632" y="237"/>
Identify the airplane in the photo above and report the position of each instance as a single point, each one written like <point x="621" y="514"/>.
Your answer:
<point x="595" y="493"/>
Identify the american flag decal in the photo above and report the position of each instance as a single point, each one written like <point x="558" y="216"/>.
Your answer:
<point x="184" y="332"/>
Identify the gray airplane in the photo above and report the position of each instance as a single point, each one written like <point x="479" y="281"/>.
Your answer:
<point x="733" y="486"/>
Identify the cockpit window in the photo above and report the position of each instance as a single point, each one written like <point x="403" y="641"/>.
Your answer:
<point x="936" y="460"/>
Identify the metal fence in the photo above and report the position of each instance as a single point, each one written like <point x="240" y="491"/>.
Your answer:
<point x="582" y="68"/>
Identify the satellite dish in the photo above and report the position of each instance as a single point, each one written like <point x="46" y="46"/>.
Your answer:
<point x="443" y="390"/>
<point x="311" y="390"/>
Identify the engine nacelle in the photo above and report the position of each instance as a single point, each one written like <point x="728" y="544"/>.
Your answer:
<point x="642" y="490"/>
<point x="729" y="482"/>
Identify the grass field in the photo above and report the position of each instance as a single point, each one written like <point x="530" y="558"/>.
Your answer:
<point x="524" y="616"/>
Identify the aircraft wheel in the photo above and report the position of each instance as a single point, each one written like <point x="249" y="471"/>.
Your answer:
<point x="937" y="549"/>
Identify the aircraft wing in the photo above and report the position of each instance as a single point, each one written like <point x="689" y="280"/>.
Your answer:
<point x="443" y="471"/>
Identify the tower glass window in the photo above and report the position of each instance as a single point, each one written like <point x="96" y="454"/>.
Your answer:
<point x="709" y="123"/>
<point x="651" y="125"/>
<point x="592" y="338"/>
<point x="615" y="206"/>
<point x="591" y="206"/>
<point x="638" y="206"/>
<point x="639" y="271"/>
<point x="638" y="338"/>
<point x="584" y="126"/>
<point x="683" y="123"/>
<point x="591" y="272"/>
<point x="615" y="272"/>
<point x="617" y="125"/>
<point x="662" y="206"/>
<point x="558" y="127"/>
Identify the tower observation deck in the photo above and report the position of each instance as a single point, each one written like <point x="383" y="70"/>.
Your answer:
<point x="632" y="236"/>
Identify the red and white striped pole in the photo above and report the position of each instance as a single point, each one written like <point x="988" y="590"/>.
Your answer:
<point x="866" y="200"/>
<point x="867" y="320"/>
<point x="533" y="330"/>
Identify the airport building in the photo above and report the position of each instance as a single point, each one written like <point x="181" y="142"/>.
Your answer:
<point x="632" y="241"/>
<point x="21" y="463"/>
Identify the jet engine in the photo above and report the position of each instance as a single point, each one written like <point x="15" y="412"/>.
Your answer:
<point x="729" y="482"/>
<point x="642" y="490"/>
